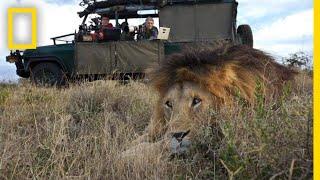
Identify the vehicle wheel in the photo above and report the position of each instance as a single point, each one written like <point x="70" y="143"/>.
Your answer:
<point x="48" y="74"/>
<point x="245" y="34"/>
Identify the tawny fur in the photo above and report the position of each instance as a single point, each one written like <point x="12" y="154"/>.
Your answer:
<point x="226" y="72"/>
<point x="223" y="71"/>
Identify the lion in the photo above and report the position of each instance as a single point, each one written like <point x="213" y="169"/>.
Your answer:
<point x="198" y="80"/>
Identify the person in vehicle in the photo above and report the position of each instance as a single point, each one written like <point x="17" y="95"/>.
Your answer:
<point x="148" y="30"/>
<point x="105" y="24"/>
<point x="126" y="35"/>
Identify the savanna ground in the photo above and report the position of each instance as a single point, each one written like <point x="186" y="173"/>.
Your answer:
<point x="78" y="133"/>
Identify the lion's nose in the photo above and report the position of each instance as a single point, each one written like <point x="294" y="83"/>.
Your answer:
<point x="180" y="135"/>
<point x="179" y="144"/>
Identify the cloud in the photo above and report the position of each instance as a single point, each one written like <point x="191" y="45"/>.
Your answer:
<point x="287" y="34"/>
<point x="53" y="19"/>
<point x="8" y="73"/>
<point x="61" y="2"/>
<point x="255" y="10"/>
<point x="298" y="25"/>
<point x="279" y="27"/>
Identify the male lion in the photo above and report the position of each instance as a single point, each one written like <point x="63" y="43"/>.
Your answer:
<point x="192" y="82"/>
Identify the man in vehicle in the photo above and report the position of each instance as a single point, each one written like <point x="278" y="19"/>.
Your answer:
<point x="126" y="35"/>
<point x="105" y="24"/>
<point x="148" y="30"/>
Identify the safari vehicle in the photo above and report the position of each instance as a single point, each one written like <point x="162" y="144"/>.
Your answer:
<point x="190" y="22"/>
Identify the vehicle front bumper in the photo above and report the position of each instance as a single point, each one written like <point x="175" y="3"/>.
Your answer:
<point x="16" y="58"/>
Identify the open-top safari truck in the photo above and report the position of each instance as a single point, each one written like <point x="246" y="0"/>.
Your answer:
<point x="190" y="21"/>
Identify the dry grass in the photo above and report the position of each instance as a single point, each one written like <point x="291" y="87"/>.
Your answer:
<point x="78" y="133"/>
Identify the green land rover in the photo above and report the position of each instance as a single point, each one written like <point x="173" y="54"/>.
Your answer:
<point x="190" y="22"/>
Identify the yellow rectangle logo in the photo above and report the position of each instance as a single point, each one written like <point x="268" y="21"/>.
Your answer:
<point x="11" y="12"/>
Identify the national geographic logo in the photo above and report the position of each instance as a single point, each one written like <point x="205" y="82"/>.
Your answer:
<point x="14" y="14"/>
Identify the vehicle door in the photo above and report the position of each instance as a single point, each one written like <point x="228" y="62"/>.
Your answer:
<point x="94" y="58"/>
<point x="136" y="56"/>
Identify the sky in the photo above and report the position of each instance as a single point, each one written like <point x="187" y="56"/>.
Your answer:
<point x="280" y="27"/>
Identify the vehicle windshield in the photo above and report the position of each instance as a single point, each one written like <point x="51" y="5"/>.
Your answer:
<point x="131" y="21"/>
<point x="93" y="23"/>
<point x="64" y="39"/>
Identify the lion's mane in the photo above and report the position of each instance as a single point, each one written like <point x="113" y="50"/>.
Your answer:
<point x="225" y="71"/>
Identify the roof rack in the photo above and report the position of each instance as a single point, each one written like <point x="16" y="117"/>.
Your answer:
<point x="130" y="6"/>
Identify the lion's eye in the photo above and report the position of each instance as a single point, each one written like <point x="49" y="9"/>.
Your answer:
<point x="168" y="104"/>
<point x="196" y="102"/>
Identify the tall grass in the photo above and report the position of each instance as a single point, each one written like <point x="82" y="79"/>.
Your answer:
<point x="79" y="132"/>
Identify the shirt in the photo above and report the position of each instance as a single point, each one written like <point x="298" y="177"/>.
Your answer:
<point x="148" y="33"/>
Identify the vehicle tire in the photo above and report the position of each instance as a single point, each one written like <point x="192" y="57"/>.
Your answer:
<point x="245" y="33"/>
<point x="48" y="74"/>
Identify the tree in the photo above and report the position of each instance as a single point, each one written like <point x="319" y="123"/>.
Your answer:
<point x="298" y="60"/>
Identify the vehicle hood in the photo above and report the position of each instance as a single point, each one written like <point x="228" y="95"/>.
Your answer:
<point x="47" y="50"/>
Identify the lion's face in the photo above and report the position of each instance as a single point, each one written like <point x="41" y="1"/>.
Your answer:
<point x="185" y="107"/>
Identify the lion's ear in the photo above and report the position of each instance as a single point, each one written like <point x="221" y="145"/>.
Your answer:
<point x="232" y="80"/>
